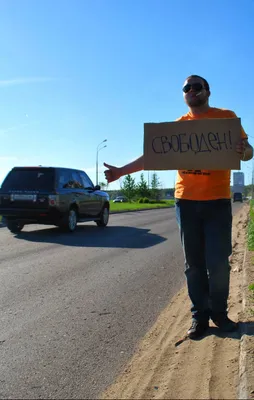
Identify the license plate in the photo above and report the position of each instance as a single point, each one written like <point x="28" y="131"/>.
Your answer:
<point x="24" y="197"/>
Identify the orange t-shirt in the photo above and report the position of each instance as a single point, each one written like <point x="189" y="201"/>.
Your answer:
<point x="203" y="184"/>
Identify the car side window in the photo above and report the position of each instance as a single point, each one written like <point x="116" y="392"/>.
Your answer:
<point x="77" y="181"/>
<point x="69" y="180"/>
<point x="87" y="183"/>
<point x="64" y="179"/>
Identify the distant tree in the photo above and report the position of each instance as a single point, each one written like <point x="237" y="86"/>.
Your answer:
<point x="142" y="187"/>
<point x="129" y="187"/>
<point x="155" y="186"/>
<point x="103" y="185"/>
<point x="248" y="190"/>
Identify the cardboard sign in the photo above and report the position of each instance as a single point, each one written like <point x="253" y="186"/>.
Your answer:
<point x="197" y="144"/>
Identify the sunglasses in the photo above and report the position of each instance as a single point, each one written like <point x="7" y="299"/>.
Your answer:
<point x="195" y="86"/>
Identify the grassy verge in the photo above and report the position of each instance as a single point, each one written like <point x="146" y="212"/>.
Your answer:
<point x="118" y="207"/>
<point x="251" y="289"/>
<point x="251" y="298"/>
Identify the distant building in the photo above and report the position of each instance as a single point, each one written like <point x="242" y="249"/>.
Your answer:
<point x="238" y="178"/>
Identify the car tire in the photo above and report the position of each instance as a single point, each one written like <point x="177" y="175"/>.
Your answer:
<point x="15" y="226"/>
<point x="69" y="221"/>
<point x="104" y="217"/>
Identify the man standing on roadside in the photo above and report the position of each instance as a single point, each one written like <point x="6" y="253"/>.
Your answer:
<point x="204" y="216"/>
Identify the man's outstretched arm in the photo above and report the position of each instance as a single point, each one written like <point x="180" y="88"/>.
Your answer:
<point x="114" y="173"/>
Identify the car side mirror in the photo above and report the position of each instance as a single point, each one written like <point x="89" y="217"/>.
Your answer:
<point x="97" y="187"/>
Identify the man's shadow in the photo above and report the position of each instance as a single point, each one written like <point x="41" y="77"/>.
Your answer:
<point x="244" y="328"/>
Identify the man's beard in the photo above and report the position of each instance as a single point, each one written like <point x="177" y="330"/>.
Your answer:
<point x="196" y="102"/>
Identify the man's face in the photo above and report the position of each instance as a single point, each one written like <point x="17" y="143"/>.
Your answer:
<point x="194" y="92"/>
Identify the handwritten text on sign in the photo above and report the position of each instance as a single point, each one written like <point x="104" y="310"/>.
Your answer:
<point x="199" y="144"/>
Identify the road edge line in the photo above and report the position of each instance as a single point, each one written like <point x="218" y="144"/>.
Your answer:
<point x="141" y="209"/>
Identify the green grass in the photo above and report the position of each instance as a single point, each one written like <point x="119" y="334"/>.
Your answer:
<point x="251" y="297"/>
<point x="117" y="207"/>
<point x="251" y="228"/>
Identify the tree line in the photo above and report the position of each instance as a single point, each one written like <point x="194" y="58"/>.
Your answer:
<point x="133" y="190"/>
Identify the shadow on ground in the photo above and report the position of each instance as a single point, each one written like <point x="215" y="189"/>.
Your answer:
<point x="245" y="328"/>
<point x="92" y="236"/>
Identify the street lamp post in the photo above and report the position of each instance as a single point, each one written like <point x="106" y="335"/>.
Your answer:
<point x="97" y="151"/>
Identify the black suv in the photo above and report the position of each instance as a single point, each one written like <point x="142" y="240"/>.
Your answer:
<point x="238" y="197"/>
<point x="51" y="196"/>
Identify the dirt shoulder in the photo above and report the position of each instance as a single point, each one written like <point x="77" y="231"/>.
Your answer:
<point x="204" y="369"/>
<point x="247" y="372"/>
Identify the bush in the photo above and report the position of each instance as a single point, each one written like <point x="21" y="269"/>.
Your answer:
<point x="157" y="202"/>
<point x="146" y="200"/>
<point x="141" y="201"/>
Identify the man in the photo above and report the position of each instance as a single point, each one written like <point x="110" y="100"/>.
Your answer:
<point x="204" y="215"/>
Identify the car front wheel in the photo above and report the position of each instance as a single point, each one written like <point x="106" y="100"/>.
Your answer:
<point x="104" y="217"/>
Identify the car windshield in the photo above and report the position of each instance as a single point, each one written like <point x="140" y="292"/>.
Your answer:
<point x="37" y="179"/>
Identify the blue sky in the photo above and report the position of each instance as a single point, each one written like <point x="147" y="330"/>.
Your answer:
<point x="73" y="73"/>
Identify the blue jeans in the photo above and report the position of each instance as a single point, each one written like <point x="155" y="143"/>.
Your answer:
<point x="206" y="230"/>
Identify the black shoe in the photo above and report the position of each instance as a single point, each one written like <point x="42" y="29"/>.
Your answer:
<point x="197" y="329"/>
<point x="224" y="323"/>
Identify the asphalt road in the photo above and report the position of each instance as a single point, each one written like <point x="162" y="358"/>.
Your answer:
<point x="73" y="306"/>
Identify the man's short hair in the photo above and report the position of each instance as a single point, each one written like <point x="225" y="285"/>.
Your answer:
<point x="206" y="84"/>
